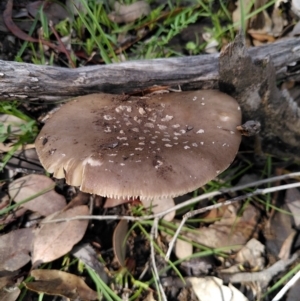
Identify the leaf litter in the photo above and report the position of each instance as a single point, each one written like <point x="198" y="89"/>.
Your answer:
<point x="45" y="204"/>
<point x="235" y="225"/>
<point x="232" y="230"/>
<point x="52" y="241"/>
<point x="59" y="283"/>
<point x="15" y="248"/>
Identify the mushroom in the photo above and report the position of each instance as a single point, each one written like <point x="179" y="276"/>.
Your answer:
<point x="156" y="146"/>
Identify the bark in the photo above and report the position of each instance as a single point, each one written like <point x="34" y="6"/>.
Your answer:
<point x="253" y="84"/>
<point x="35" y="82"/>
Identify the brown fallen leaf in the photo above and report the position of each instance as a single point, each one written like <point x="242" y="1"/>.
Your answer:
<point x="296" y="30"/>
<point x="160" y="205"/>
<point x="15" y="247"/>
<point x="7" y="279"/>
<point x="14" y="29"/>
<point x="119" y="241"/>
<point x="7" y="219"/>
<point x="53" y="10"/>
<point x="14" y="125"/>
<point x="261" y="37"/>
<point x="25" y="161"/>
<point x="59" y="283"/>
<point x="129" y="13"/>
<point x="252" y="255"/>
<point x="10" y="294"/>
<point x="75" y="6"/>
<point x="14" y="122"/>
<point x="7" y="17"/>
<point x="30" y="185"/>
<point x="183" y="249"/>
<point x="230" y="230"/>
<point x="287" y="246"/>
<point x="279" y="22"/>
<point x="212" y="288"/>
<point x="87" y="254"/>
<point x="292" y="200"/>
<point x="277" y="229"/>
<point x="52" y="241"/>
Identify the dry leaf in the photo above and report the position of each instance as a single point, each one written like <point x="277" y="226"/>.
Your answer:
<point x="14" y="123"/>
<point x="160" y="205"/>
<point x="149" y="296"/>
<point x="296" y="7"/>
<point x="119" y="241"/>
<point x="9" y="290"/>
<point x="75" y="6"/>
<point x="277" y="230"/>
<point x="183" y="249"/>
<point x="262" y="27"/>
<point x="278" y="21"/>
<point x="292" y="199"/>
<point x="129" y="13"/>
<point x="236" y="14"/>
<point x="10" y="294"/>
<point x="90" y="258"/>
<point x="25" y="161"/>
<point x="287" y="246"/>
<point x="214" y="214"/>
<point x="44" y="204"/>
<point x="212" y="289"/>
<point x="296" y="30"/>
<point x="56" y="239"/>
<point x="252" y="254"/>
<point x="230" y="230"/>
<point x="15" y="247"/>
<point x="199" y="266"/>
<point x="52" y="10"/>
<point x="8" y="279"/>
<point x="54" y="282"/>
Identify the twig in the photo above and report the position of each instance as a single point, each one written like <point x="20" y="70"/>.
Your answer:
<point x="186" y="203"/>
<point x="154" y="267"/>
<point x="192" y="72"/>
<point x="228" y="202"/>
<point x="64" y="49"/>
<point x="265" y="276"/>
<point x="7" y="18"/>
<point x="290" y="283"/>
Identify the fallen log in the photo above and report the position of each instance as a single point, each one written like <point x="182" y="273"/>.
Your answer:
<point x="36" y="82"/>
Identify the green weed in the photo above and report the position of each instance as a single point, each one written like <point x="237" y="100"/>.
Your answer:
<point x="23" y="134"/>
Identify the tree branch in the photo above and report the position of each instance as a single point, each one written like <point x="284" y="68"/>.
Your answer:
<point x="36" y="82"/>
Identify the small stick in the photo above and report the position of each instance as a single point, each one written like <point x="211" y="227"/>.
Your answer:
<point x="290" y="283"/>
<point x="153" y="234"/>
<point x="228" y="202"/>
<point x="263" y="277"/>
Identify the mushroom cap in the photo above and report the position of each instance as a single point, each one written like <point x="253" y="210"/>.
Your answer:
<point x="162" y="145"/>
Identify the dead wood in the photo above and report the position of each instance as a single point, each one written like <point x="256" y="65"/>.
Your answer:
<point x="35" y="82"/>
<point x="253" y="84"/>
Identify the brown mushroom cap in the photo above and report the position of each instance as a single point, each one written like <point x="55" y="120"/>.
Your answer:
<point x="148" y="147"/>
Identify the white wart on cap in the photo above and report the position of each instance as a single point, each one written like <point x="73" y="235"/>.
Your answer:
<point x="149" y="147"/>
